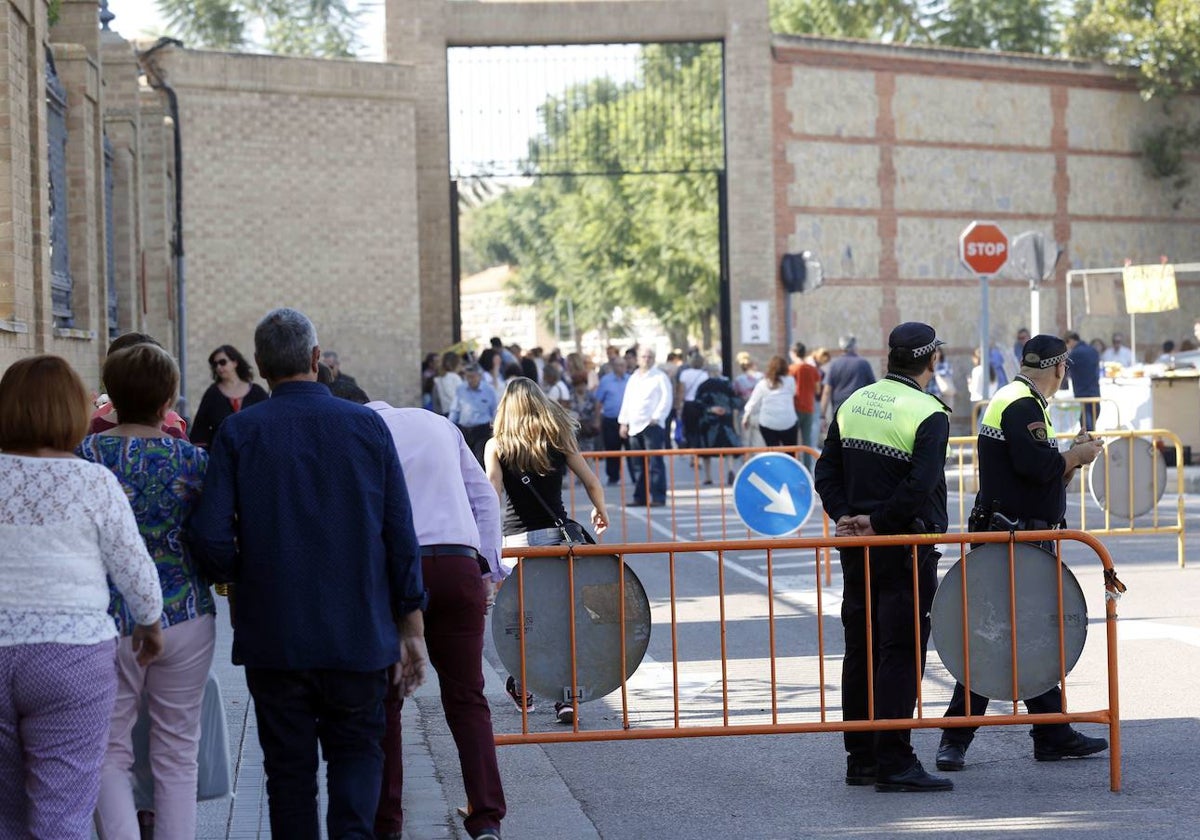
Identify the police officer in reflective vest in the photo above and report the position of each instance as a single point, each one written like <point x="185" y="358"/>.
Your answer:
<point x="882" y="471"/>
<point x="1023" y="481"/>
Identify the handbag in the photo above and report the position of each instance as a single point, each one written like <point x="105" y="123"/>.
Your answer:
<point x="214" y="773"/>
<point x="572" y="532"/>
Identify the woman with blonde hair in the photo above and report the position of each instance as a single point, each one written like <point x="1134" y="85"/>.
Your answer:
<point x="743" y="386"/>
<point x="533" y="444"/>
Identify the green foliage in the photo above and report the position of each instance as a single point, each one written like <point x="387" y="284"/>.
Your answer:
<point x="1029" y="26"/>
<point x="1159" y="40"/>
<point x="891" y="21"/>
<point x="324" y="28"/>
<point x="1023" y="26"/>
<point x="628" y="240"/>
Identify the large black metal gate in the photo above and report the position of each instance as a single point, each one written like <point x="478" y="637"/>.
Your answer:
<point x="598" y="111"/>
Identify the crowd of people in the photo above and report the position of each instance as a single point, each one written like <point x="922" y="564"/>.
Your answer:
<point x="116" y="526"/>
<point x="684" y="401"/>
<point x="119" y="517"/>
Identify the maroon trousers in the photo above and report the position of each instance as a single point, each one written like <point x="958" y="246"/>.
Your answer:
<point x="454" y="625"/>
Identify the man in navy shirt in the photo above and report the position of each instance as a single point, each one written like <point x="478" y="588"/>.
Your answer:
<point x="1085" y="377"/>
<point x="609" y="394"/>
<point x="305" y="509"/>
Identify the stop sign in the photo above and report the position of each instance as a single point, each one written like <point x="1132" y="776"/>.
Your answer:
<point x="983" y="247"/>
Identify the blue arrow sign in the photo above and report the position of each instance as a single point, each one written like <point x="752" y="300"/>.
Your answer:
<point x="773" y="494"/>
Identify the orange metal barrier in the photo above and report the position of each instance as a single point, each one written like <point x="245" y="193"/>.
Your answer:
<point x="1119" y="445"/>
<point x="755" y="684"/>
<point x="689" y="501"/>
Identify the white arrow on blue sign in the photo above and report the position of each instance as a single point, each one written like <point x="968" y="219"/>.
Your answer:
<point x="773" y="494"/>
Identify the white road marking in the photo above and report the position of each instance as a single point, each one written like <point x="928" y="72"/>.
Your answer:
<point x="804" y="597"/>
<point x="1141" y="631"/>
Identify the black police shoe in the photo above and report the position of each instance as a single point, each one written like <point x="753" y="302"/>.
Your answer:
<point x="951" y="756"/>
<point x="860" y="773"/>
<point x="1077" y="746"/>
<point x="912" y="780"/>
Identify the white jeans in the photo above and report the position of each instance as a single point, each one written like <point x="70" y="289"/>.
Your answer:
<point x="174" y="687"/>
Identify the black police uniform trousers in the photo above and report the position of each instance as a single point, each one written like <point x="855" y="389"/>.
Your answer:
<point x="893" y="648"/>
<point x="1048" y="703"/>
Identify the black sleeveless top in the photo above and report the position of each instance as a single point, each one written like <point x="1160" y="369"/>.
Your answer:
<point x="523" y="512"/>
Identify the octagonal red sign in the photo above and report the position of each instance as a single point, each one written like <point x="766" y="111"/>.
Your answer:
<point x="983" y="247"/>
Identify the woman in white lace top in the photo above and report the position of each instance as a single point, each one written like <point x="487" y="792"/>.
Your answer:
<point x="65" y="527"/>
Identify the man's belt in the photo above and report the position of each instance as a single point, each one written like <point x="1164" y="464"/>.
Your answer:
<point x="451" y="550"/>
<point x="988" y="519"/>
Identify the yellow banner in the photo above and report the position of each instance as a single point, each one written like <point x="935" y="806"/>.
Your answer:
<point x="1150" y="288"/>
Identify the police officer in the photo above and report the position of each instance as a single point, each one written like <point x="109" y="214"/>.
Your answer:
<point x="882" y="471"/>
<point x="1023" y="478"/>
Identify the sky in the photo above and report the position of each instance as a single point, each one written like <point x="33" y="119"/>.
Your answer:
<point x="140" y="18"/>
<point x="494" y="91"/>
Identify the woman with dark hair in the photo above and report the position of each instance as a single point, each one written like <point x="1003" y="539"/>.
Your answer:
<point x="105" y="415"/>
<point x="429" y="370"/>
<point x="718" y="404"/>
<point x="232" y="390"/>
<point x="68" y="532"/>
<point x="162" y="478"/>
<point x="687" y="381"/>
<point x="771" y="402"/>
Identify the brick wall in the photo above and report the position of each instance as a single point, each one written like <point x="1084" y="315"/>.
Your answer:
<point x="299" y="190"/>
<point x="883" y="155"/>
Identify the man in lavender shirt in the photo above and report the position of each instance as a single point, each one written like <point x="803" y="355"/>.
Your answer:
<point x="457" y="517"/>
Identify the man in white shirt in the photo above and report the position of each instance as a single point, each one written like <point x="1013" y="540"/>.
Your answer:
<point x="648" y="400"/>
<point x="1118" y="352"/>
<point x="456" y="514"/>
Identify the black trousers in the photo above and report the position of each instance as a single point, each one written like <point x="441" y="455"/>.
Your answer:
<point x="1042" y="733"/>
<point x="889" y="609"/>
<point x="1048" y="703"/>
<point x="611" y="430"/>
<point x="343" y="710"/>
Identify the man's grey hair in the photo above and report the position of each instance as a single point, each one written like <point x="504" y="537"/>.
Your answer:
<point x="473" y="368"/>
<point x="283" y="343"/>
<point x="848" y="342"/>
<point x="329" y="354"/>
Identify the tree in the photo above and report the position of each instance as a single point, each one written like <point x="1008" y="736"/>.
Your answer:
<point x="891" y="21"/>
<point x="1159" y="40"/>
<point x="1022" y="26"/>
<point x="1030" y="26"/>
<point x="325" y="28"/>
<point x="597" y="232"/>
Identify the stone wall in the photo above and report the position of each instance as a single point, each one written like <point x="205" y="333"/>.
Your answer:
<point x="99" y="72"/>
<point x="299" y="190"/>
<point x="883" y="155"/>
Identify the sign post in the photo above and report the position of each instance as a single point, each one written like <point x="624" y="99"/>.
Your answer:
<point x="983" y="248"/>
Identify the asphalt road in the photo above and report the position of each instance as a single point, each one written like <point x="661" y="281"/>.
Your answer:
<point x="783" y="786"/>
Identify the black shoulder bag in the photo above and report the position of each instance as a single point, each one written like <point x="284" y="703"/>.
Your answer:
<point x="572" y="532"/>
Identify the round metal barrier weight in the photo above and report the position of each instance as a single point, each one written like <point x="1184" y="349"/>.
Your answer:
<point x="546" y="625"/>
<point x="1149" y="477"/>
<point x="990" y="626"/>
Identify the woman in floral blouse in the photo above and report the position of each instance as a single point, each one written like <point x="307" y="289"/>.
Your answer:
<point x="162" y="477"/>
